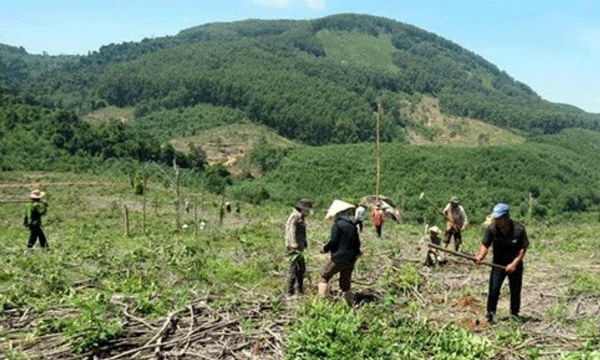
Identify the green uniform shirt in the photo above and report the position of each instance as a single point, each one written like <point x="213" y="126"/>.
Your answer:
<point x="34" y="212"/>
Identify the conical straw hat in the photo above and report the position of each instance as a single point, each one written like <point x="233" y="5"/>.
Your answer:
<point x="336" y="207"/>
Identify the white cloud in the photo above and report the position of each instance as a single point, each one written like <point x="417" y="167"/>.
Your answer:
<point x="280" y="4"/>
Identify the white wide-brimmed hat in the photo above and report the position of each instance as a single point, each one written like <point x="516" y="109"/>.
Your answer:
<point x="337" y="206"/>
<point x="434" y="229"/>
<point x="37" y="194"/>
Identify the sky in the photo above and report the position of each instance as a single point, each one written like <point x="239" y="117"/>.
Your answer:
<point x="553" y="46"/>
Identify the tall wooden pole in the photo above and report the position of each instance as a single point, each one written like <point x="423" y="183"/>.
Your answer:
<point x="378" y="152"/>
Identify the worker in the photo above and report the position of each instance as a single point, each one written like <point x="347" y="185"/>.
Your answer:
<point x="378" y="217"/>
<point x="344" y="247"/>
<point x="457" y="222"/>
<point x="359" y="215"/>
<point x="432" y="256"/>
<point x="33" y="219"/>
<point x="296" y="242"/>
<point x="509" y="242"/>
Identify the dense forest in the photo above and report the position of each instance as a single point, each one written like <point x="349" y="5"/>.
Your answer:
<point x="317" y="82"/>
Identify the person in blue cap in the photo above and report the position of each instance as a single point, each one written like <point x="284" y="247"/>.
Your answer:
<point x="509" y="242"/>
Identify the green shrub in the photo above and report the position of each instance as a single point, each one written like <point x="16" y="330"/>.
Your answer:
<point x="250" y="192"/>
<point x="333" y="331"/>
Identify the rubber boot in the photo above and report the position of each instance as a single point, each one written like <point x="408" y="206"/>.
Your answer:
<point x="290" y="286"/>
<point x="300" y="285"/>
<point x="322" y="286"/>
<point x="349" y="298"/>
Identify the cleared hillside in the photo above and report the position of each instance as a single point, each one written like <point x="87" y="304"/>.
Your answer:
<point x="426" y="124"/>
<point x="230" y="145"/>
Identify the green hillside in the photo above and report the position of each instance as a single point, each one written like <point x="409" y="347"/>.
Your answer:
<point x="316" y="81"/>
<point x="140" y="145"/>
<point x="562" y="179"/>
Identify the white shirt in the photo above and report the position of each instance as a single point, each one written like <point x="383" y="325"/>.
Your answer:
<point x="360" y="213"/>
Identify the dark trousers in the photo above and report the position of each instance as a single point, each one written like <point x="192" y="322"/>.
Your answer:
<point x="515" y="281"/>
<point x="296" y="274"/>
<point x="345" y="270"/>
<point x="359" y="225"/>
<point x="378" y="229"/>
<point x="453" y="233"/>
<point x="35" y="233"/>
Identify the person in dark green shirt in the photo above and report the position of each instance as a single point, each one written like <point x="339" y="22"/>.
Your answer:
<point x="33" y="219"/>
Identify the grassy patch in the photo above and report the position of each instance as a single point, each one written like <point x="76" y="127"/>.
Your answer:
<point x="359" y="49"/>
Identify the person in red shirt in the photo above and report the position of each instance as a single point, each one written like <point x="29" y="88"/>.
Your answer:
<point x="378" y="217"/>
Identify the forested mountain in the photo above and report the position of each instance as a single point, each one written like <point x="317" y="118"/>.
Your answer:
<point x="317" y="81"/>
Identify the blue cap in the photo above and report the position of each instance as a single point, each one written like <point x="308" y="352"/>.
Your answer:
<point x="500" y="210"/>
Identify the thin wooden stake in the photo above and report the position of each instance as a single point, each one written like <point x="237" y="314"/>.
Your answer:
<point x="177" y="196"/>
<point x="126" y="219"/>
<point x="144" y="203"/>
<point x="195" y="220"/>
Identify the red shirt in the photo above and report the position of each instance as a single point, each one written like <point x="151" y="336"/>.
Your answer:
<point x="378" y="216"/>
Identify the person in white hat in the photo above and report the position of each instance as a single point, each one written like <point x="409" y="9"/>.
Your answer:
<point x="432" y="257"/>
<point x="344" y="246"/>
<point x="456" y="224"/>
<point x="296" y="241"/>
<point x="33" y="219"/>
<point x="509" y="242"/>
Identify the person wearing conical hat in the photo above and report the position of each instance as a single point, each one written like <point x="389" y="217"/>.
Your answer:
<point x="33" y="219"/>
<point x="296" y="242"/>
<point x="344" y="246"/>
<point x="456" y="223"/>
